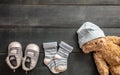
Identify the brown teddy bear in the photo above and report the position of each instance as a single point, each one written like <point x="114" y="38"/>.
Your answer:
<point x="106" y="49"/>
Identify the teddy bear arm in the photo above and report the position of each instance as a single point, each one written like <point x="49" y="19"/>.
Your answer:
<point x="102" y="67"/>
<point x="114" y="39"/>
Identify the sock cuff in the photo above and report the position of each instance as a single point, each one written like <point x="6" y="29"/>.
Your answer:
<point x="50" y="45"/>
<point x="66" y="46"/>
<point x="63" y="53"/>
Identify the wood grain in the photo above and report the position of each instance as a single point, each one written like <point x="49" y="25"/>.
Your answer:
<point x="58" y="16"/>
<point x="78" y="63"/>
<point x="40" y="35"/>
<point x="58" y="2"/>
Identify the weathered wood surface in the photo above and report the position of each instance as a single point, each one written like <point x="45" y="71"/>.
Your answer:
<point x="38" y="21"/>
<point x="75" y="66"/>
<point x="58" y="16"/>
<point x="40" y="35"/>
<point x="75" y="2"/>
<point x="78" y="62"/>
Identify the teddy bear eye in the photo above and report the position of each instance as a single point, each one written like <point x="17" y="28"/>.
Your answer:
<point x="95" y="42"/>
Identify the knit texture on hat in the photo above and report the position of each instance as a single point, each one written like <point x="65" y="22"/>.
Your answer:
<point x="87" y="32"/>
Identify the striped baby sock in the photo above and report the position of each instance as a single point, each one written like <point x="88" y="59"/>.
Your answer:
<point x="50" y="49"/>
<point x="61" y="56"/>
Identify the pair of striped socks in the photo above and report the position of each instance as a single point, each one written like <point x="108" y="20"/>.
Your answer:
<point x="56" y="60"/>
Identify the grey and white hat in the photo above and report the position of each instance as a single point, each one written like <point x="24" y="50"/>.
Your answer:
<point x="87" y="32"/>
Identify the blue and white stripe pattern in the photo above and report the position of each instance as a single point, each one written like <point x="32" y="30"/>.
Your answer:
<point x="64" y="51"/>
<point x="50" y="49"/>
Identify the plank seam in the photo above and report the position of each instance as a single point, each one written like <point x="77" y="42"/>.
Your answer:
<point x="65" y="4"/>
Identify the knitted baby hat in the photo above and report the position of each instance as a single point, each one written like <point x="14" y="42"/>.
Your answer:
<point x="87" y="32"/>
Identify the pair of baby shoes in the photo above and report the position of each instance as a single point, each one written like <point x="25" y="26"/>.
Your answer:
<point x="15" y="56"/>
<point x="56" y="60"/>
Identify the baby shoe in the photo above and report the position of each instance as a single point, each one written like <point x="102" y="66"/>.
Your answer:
<point x="31" y="57"/>
<point x="15" y="55"/>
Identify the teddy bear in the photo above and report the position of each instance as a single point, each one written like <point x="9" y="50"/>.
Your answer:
<point x="105" y="49"/>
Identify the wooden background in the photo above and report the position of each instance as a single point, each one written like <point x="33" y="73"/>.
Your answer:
<point x="38" y="21"/>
